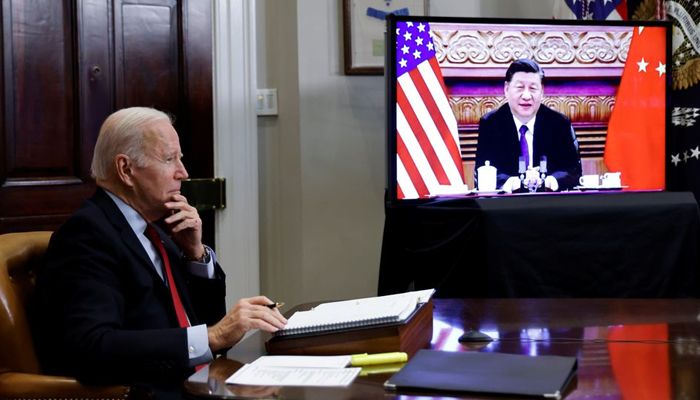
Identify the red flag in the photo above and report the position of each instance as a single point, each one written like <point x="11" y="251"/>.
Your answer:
<point x="642" y="371"/>
<point x="636" y="133"/>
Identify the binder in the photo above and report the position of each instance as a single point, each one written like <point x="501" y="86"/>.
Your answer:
<point x="356" y="313"/>
<point x="409" y="336"/>
<point x="496" y="373"/>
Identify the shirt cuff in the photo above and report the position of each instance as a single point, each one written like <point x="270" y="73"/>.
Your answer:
<point x="198" y="345"/>
<point x="203" y="270"/>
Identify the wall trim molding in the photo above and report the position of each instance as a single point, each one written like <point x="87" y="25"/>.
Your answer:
<point x="236" y="145"/>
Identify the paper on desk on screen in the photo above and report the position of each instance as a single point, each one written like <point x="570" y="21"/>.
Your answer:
<point x="296" y="371"/>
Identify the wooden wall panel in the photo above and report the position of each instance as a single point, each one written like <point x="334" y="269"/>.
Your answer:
<point x="147" y="63"/>
<point x="48" y="151"/>
<point x="43" y="170"/>
<point x="65" y="66"/>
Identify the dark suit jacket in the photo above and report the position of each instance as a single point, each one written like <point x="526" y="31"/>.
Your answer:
<point x="553" y="137"/>
<point x="104" y="313"/>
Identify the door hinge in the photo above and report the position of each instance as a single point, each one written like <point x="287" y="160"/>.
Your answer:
<point x="205" y="194"/>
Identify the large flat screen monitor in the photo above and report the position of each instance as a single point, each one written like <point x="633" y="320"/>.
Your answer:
<point x="545" y="106"/>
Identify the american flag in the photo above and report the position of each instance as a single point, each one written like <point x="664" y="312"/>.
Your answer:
<point x="591" y="9"/>
<point x="427" y="140"/>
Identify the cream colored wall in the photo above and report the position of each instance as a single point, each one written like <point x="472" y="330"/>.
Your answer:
<point x="322" y="159"/>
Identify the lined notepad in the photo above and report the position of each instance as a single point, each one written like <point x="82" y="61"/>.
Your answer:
<point x="355" y="313"/>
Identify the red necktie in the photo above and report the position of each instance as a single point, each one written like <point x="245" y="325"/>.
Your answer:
<point x="153" y="236"/>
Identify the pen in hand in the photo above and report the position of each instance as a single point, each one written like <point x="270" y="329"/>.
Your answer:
<point x="275" y="305"/>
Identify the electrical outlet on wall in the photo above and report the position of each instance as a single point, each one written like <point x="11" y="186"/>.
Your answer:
<point x="267" y="102"/>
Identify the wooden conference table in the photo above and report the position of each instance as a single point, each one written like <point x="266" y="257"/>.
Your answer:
<point x="626" y="349"/>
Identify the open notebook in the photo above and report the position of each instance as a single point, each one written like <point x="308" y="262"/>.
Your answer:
<point x="355" y="313"/>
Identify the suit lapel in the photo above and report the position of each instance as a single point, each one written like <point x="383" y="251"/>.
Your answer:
<point x="176" y="266"/>
<point x="129" y="238"/>
<point x="512" y="143"/>
<point x="540" y="137"/>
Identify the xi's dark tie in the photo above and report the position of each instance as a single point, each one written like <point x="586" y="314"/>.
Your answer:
<point x="524" y="151"/>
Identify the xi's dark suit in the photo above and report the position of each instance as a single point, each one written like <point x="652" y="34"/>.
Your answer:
<point x="104" y="313"/>
<point x="553" y="137"/>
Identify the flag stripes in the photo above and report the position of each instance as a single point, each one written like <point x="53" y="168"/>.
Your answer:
<point x="427" y="144"/>
<point x="431" y="129"/>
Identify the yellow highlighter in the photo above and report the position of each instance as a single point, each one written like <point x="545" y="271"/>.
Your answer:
<point x="358" y="360"/>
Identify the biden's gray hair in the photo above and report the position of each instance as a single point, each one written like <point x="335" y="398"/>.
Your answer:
<point x="122" y="133"/>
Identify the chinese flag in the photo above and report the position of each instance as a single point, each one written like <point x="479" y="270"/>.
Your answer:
<point x="642" y="371"/>
<point x="636" y="133"/>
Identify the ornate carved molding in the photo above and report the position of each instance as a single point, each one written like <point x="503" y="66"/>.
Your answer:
<point x="460" y="48"/>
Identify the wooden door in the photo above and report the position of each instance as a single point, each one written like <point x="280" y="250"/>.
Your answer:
<point x="68" y="64"/>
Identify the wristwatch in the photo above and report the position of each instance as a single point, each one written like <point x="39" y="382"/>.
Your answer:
<point x="203" y="259"/>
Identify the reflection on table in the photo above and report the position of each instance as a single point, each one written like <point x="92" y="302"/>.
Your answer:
<point x="626" y="349"/>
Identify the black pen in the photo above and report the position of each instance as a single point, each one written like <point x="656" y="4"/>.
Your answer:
<point x="275" y="305"/>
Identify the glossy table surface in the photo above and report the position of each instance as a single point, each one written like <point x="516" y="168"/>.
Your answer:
<point x="626" y="349"/>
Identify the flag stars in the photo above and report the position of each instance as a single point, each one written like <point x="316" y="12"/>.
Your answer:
<point x="421" y="28"/>
<point x="661" y="69"/>
<point x="430" y="46"/>
<point x="416" y="54"/>
<point x="419" y="41"/>
<point x="409" y="24"/>
<point x="407" y="36"/>
<point x="403" y="63"/>
<point x="675" y="159"/>
<point x="696" y="153"/>
<point x="405" y="49"/>
<point x="398" y="32"/>
<point x="642" y="65"/>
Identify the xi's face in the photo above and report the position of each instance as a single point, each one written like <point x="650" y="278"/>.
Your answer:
<point x="524" y="95"/>
<point x="157" y="182"/>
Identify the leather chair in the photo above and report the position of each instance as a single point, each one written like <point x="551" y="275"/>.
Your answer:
<point x="20" y="373"/>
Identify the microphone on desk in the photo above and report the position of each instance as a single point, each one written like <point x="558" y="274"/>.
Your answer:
<point x="521" y="175"/>
<point x="475" y="337"/>
<point x="543" y="165"/>
<point x="543" y="173"/>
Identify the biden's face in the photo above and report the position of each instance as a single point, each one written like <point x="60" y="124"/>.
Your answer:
<point x="524" y="95"/>
<point x="159" y="181"/>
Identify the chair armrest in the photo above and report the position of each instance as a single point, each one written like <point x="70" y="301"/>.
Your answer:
<point x="31" y="386"/>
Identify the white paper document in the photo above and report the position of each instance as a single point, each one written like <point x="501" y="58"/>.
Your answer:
<point x="252" y="374"/>
<point x="303" y="361"/>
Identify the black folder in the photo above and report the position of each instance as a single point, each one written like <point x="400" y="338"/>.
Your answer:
<point x="543" y="376"/>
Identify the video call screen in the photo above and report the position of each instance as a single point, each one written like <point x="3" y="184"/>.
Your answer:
<point x="601" y="110"/>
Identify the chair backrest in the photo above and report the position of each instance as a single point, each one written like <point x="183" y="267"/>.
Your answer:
<point x="20" y="255"/>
